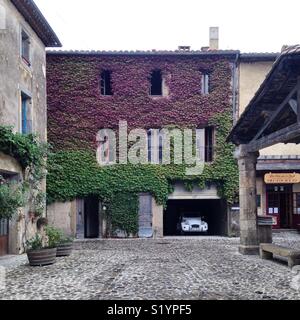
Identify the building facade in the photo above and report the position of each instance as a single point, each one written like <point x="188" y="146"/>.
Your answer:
<point x="24" y="34"/>
<point x="277" y="190"/>
<point x="92" y="190"/>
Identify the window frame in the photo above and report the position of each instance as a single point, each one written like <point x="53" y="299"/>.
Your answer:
<point x="205" y="83"/>
<point x="25" y="56"/>
<point x="106" y="89"/>
<point x="25" y="117"/>
<point x="210" y="136"/>
<point x="155" y="140"/>
<point x="109" y="152"/>
<point x="296" y="208"/>
<point x="152" y="84"/>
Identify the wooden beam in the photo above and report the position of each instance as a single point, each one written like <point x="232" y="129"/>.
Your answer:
<point x="294" y="105"/>
<point x="281" y="136"/>
<point x="276" y="112"/>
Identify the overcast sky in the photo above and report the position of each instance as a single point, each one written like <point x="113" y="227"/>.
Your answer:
<point x="255" y="25"/>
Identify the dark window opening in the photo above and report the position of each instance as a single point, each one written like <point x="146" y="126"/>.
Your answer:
<point x="209" y="144"/>
<point x="149" y="146"/>
<point x="25" y="47"/>
<point x="258" y="201"/>
<point x="205" y="83"/>
<point x="106" y="87"/>
<point x="160" y="149"/>
<point x="156" y="83"/>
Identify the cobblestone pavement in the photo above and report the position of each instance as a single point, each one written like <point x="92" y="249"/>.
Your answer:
<point x="190" y="268"/>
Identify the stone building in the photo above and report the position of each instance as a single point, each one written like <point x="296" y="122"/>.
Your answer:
<point x="277" y="196"/>
<point x="24" y="34"/>
<point x="151" y="90"/>
<point x="271" y="117"/>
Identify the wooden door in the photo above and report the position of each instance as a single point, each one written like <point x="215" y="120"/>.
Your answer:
<point x="3" y="237"/>
<point x="145" y="216"/>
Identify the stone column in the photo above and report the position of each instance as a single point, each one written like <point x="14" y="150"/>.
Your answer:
<point x="248" y="207"/>
<point x="158" y="220"/>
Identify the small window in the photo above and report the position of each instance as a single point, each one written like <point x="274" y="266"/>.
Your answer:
<point x="26" y="126"/>
<point x="296" y="203"/>
<point x="155" y="146"/>
<point x="205" y="83"/>
<point x="258" y="201"/>
<point x="209" y="144"/>
<point x="25" y="47"/>
<point x="106" y="87"/>
<point x="156" y="83"/>
<point x="106" y="151"/>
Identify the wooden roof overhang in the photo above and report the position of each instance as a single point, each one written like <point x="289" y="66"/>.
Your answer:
<point x="273" y="115"/>
<point x="38" y="22"/>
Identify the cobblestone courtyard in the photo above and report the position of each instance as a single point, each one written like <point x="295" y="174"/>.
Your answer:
<point x="198" y="268"/>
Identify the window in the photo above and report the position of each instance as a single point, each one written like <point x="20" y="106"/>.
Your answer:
<point x="25" y="49"/>
<point x="2" y="18"/>
<point x="26" y="126"/>
<point x="205" y="83"/>
<point x="155" y="146"/>
<point x="106" y="151"/>
<point x="106" y="87"/>
<point x="156" y="88"/>
<point x="296" y="203"/>
<point x="258" y="201"/>
<point x="209" y="144"/>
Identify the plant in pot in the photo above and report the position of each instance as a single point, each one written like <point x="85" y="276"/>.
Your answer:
<point x="63" y="243"/>
<point x="65" y="246"/>
<point x="40" y="254"/>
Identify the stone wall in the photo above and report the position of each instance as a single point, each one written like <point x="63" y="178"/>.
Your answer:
<point x="17" y="77"/>
<point x="63" y="216"/>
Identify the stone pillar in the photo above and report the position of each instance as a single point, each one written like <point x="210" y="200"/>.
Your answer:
<point x="158" y="220"/>
<point x="248" y="207"/>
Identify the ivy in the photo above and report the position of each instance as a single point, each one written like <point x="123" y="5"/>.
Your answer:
<point x="11" y="198"/>
<point x="77" y="111"/>
<point x="76" y="174"/>
<point x="123" y="213"/>
<point x="31" y="155"/>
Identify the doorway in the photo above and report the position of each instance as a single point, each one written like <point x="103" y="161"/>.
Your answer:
<point x="280" y="205"/>
<point x="3" y="237"/>
<point x="91" y="218"/>
<point x="214" y="212"/>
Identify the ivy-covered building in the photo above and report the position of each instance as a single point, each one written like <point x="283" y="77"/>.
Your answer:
<point x="93" y="196"/>
<point x="24" y="34"/>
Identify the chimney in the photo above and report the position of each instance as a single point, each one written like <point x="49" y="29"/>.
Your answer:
<point x="184" y="48"/>
<point x="214" y="38"/>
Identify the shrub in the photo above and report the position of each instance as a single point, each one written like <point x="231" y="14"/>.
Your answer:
<point x="54" y="236"/>
<point x="35" y="243"/>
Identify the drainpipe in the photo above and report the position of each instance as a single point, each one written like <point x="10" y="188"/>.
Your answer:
<point x="235" y="84"/>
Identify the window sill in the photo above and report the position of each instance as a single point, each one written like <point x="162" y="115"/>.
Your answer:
<point x="107" y="164"/>
<point x="158" y="97"/>
<point x="26" y="65"/>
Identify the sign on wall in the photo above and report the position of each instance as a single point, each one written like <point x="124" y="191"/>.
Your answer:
<point x="282" y="178"/>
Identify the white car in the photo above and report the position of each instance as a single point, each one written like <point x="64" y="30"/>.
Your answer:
<point x="193" y="224"/>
